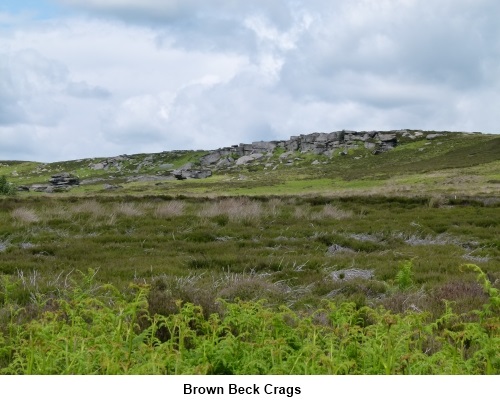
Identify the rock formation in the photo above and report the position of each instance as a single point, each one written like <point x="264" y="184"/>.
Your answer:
<point x="58" y="183"/>
<point x="320" y="143"/>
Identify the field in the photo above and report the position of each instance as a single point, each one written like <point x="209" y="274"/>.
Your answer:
<point x="356" y="264"/>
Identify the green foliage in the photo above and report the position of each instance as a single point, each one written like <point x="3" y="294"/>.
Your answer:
<point x="404" y="277"/>
<point x="6" y="188"/>
<point x="95" y="329"/>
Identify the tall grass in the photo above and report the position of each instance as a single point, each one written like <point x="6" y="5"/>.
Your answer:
<point x="25" y="215"/>
<point x="235" y="209"/>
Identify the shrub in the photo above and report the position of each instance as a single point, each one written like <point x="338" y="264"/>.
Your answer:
<point x="6" y="188"/>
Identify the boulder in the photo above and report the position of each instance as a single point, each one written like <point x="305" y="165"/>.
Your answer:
<point x="263" y="147"/>
<point x="40" y="188"/>
<point x="192" y="174"/>
<point x="433" y="136"/>
<point x="212" y="158"/>
<point x="64" y="179"/>
<point x="388" y="138"/>
<point x="248" y="159"/>
<point x="97" y="166"/>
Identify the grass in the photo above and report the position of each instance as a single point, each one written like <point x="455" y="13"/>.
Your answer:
<point x="361" y="264"/>
<point x="95" y="329"/>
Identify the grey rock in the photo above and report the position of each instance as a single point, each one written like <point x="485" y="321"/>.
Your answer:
<point x="211" y="158"/>
<point x="191" y="174"/>
<point x="223" y="162"/>
<point x="244" y="160"/>
<point x="433" y="136"/>
<point x="64" y="179"/>
<point x="350" y="274"/>
<point x="39" y="188"/>
<point x="97" y="166"/>
<point x="111" y="187"/>
<point x="387" y="137"/>
<point x="262" y="147"/>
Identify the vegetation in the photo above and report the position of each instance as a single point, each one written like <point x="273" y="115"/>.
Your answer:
<point x="96" y="330"/>
<point x="360" y="264"/>
<point x="6" y="188"/>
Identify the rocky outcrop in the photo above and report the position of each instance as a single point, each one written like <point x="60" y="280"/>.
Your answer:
<point x="320" y="143"/>
<point x="106" y="164"/>
<point x="64" y="179"/>
<point x="57" y="183"/>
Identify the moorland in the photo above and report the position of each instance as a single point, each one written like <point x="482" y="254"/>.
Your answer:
<point x="284" y="262"/>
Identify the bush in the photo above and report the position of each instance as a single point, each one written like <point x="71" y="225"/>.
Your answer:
<point x="6" y="188"/>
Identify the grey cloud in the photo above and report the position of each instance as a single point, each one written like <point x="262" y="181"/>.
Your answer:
<point x="84" y="90"/>
<point x="32" y="87"/>
<point x="179" y="11"/>
<point x="194" y="24"/>
<point x="28" y="82"/>
<point x="402" y="50"/>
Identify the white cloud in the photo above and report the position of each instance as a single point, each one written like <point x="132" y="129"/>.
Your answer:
<point x="154" y="75"/>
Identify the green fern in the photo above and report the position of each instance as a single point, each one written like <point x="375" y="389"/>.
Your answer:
<point x="404" y="278"/>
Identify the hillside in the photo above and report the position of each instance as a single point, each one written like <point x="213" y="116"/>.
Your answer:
<point x="338" y="253"/>
<point x="344" y="162"/>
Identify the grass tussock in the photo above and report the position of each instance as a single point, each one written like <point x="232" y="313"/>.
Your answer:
<point x="25" y="215"/>
<point x="331" y="212"/>
<point x="128" y="210"/>
<point x="169" y="209"/>
<point x="93" y="207"/>
<point x="236" y="209"/>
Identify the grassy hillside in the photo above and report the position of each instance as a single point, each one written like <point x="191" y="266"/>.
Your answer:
<point x="332" y="259"/>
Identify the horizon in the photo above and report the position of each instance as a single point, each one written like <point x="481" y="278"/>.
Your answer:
<point x="240" y="143"/>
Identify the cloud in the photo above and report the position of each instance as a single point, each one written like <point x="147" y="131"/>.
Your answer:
<point x="84" y="90"/>
<point x="29" y="85"/>
<point x="141" y="76"/>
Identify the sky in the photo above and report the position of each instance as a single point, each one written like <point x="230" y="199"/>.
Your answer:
<point x="95" y="78"/>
